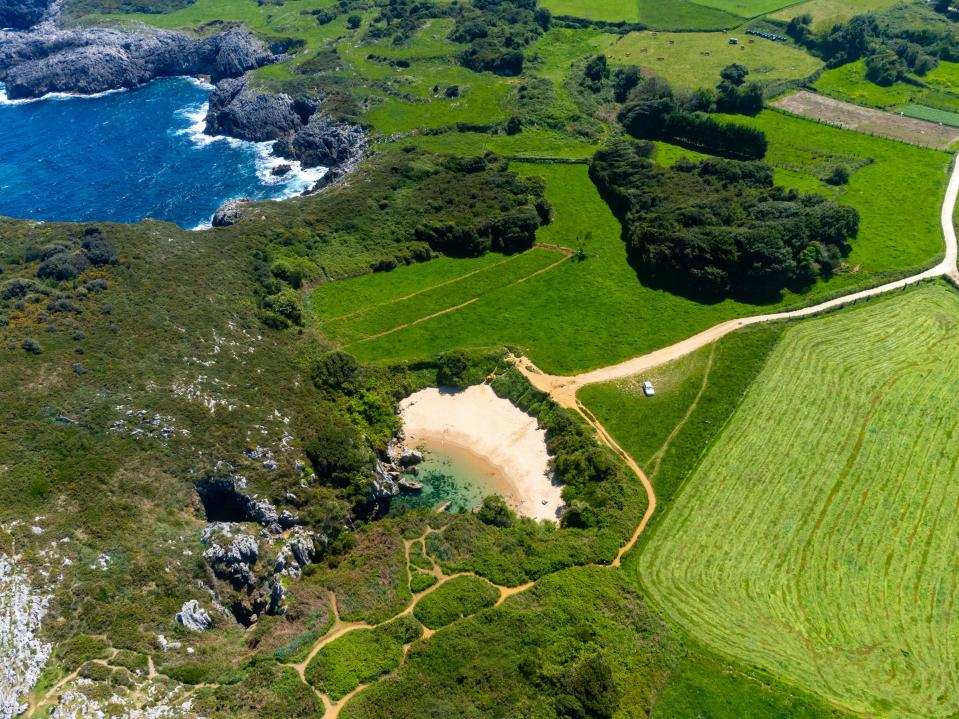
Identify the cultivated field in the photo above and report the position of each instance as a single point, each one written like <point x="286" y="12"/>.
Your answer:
<point x="818" y="537"/>
<point x="931" y="114"/>
<point x="745" y="8"/>
<point x="828" y="12"/>
<point x="673" y="15"/>
<point x="694" y="59"/>
<point x="874" y="122"/>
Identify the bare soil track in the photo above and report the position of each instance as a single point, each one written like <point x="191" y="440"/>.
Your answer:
<point x="864" y="119"/>
<point x="563" y="391"/>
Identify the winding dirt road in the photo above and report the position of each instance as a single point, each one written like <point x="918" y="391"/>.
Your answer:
<point x="563" y="389"/>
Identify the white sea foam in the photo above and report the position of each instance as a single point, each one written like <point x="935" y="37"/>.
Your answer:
<point x="294" y="182"/>
<point x="5" y="100"/>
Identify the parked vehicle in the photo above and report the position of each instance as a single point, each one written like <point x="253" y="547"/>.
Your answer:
<point x="648" y="389"/>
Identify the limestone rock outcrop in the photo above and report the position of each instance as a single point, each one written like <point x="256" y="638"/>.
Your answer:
<point x="90" y="61"/>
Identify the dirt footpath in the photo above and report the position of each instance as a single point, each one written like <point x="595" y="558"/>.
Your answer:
<point x="873" y="122"/>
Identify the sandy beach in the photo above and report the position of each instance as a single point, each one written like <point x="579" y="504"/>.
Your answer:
<point x="493" y="431"/>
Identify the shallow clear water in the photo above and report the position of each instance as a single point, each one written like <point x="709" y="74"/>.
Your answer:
<point x="125" y="156"/>
<point x="448" y="476"/>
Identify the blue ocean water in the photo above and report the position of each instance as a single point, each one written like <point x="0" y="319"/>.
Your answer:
<point x="125" y="156"/>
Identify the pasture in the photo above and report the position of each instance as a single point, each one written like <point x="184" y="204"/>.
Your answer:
<point x="938" y="89"/>
<point x="673" y="15"/>
<point x="554" y="315"/>
<point x="826" y="13"/>
<point x="695" y="396"/>
<point x="817" y="537"/>
<point x="694" y="59"/>
<point x="605" y="10"/>
<point x="745" y="8"/>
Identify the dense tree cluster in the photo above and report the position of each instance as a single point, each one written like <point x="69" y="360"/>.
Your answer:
<point x="734" y="94"/>
<point x="496" y="31"/>
<point x="720" y="228"/>
<point x="891" y="44"/>
<point x="513" y="229"/>
<point x="653" y="112"/>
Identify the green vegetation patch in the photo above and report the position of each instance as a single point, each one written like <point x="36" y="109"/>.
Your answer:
<point x="720" y="228"/>
<point x="704" y="686"/>
<point x="684" y="15"/>
<point x="745" y="8"/>
<point x="459" y="597"/>
<point x="554" y="316"/>
<point x="370" y="581"/>
<point x="605" y="10"/>
<point x="673" y="15"/>
<point x="695" y="396"/>
<point x="694" y="59"/>
<point x="385" y="313"/>
<point x="826" y="13"/>
<point x="849" y="83"/>
<point x="360" y="656"/>
<point x="265" y="690"/>
<point x="420" y="582"/>
<point x="409" y="204"/>
<point x="579" y="643"/>
<point x="833" y="490"/>
<point x="931" y="114"/>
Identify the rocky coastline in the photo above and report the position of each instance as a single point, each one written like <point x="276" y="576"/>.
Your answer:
<point x="37" y="58"/>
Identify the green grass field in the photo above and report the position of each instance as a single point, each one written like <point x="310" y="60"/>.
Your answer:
<point x="694" y="59"/>
<point x="555" y="316"/>
<point x="828" y="12"/>
<point x="817" y="537"/>
<point x="849" y="83"/>
<point x="606" y="10"/>
<point x="931" y="114"/>
<point x="695" y="395"/>
<point x="745" y="8"/>
<point x="673" y="15"/>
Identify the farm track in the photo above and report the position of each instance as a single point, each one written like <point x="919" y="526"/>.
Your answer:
<point x="563" y="391"/>
<point x="837" y="498"/>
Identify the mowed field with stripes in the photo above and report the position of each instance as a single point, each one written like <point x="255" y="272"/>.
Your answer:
<point x="819" y="537"/>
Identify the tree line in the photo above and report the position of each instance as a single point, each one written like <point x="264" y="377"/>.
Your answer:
<point x="652" y="111"/>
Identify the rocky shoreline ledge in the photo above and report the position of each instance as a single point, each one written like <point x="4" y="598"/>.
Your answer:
<point x="38" y="58"/>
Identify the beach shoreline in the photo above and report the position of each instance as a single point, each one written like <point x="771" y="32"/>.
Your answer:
<point x="497" y="437"/>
